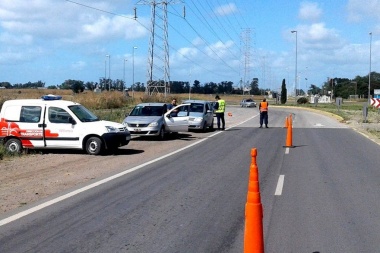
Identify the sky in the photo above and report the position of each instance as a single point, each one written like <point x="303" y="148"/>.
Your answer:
<point x="209" y="41"/>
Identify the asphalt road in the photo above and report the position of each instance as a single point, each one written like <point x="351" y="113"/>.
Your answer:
<point x="193" y="200"/>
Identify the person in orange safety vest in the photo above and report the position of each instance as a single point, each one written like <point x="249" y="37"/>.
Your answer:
<point x="263" y="107"/>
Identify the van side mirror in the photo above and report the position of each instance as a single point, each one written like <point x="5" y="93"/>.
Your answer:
<point x="72" y="121"/>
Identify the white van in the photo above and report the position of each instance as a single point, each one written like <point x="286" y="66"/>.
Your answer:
<point x="52" y="123"/>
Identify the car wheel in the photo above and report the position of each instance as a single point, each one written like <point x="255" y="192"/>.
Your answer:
<point x="94" y="146"/>
<point x="161" y="135"/>
<point x="13" y="146"/>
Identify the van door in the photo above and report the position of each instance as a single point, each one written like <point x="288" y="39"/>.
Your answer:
<point x="180" y="123"/>
<point x="61" y="130"/>
<point x="30" y="125"/>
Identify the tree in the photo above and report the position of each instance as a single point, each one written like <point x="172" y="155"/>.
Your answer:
<point x="75" y="85"/>
<point x="284" y="92"/>
<point x="91" y="85"/>
<point x="255" y="86"/>
<point x="7" y="85"/>
<point x="196" y="88"/>
<point x="314" y="90"/>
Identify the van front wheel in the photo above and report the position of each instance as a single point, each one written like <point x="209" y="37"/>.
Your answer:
<point x="94" y="146"/>
<point x="13" y="146"/>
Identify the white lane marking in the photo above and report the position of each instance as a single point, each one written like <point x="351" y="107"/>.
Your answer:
<point x="319" y="125"/>
<point x="287" y="151"/>
<point x="280" y="185"/>
<point x="88" y="187"/>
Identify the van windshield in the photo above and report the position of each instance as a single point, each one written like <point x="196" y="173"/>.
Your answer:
<point x="83" y="113"/>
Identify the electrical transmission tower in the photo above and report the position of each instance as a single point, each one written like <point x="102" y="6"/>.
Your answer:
<point x="246" y="49"/>
<point x="158" y="74"/>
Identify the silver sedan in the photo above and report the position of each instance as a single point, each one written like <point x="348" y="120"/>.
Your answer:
<point x="248" y="103"/>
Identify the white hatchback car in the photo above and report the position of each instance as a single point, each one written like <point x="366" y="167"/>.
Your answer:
<point x="153" y="119"/>
<point x="201" y="114"/>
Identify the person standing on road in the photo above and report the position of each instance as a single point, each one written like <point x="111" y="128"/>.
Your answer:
<point x="263" y="107"/>
<point x="220" y="107"/>
<point x="171" y="106"/>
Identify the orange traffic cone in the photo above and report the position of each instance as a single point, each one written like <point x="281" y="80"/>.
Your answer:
<point x="253" y="156"/>
<point x="253" y="230"/>
<point x="286" y="122"/>
<point x="289" y="135"/>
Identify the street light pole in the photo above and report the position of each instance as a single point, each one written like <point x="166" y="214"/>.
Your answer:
<point x="369" y="75"/>
<point x="133" y="71"/>
<point x="109" y="69"/>
<point x="105" y="73"/>
<point x="109" y="72"/>
<point x="295" y="77"/>
<point x="124" y="73"/>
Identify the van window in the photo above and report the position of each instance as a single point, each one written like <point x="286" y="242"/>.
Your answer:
<point x="83" y="113"/>
<point x="30" y="114"/>
<point x="58" y="115"/>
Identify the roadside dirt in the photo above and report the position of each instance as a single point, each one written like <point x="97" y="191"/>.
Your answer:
<point x="29" y="178"/>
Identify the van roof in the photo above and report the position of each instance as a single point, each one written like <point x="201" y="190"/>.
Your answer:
<point x="26" y="102"/>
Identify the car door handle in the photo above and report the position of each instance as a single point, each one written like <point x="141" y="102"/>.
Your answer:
<point x="41" y="125"/>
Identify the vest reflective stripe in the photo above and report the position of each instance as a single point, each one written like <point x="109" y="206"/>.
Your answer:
<point x="263" y="106"/>
<point x="222" y="106"/>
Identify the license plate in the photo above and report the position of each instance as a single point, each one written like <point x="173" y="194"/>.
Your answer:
<point x="137" y="129"/>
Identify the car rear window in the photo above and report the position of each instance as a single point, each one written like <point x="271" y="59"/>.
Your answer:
<point x="195" y="107"/>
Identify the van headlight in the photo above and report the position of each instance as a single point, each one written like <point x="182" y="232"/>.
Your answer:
<point x="153" y="124"/>
<point x="112" y="129"/>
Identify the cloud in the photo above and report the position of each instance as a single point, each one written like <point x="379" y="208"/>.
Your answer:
<point x="359" y="10"/>
<point x="219" y="49"/>
<point x="310" y="11"/>
<point x="198" y="41"/>
<point x="317" y="37"/>
<point x="105" y="28"/>
<point x="16" y="40"/>
<point x="226" y="9"/>
<point x="79" y="65"/>
<point x="68" y="22"/>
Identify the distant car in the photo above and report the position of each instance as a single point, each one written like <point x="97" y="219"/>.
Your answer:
<point x="201" y="114"/>
<point x="153" y="119"/>
<point x="248" y="103"/>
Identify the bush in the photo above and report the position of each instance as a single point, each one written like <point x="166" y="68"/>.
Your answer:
<point x="302" y="100"/>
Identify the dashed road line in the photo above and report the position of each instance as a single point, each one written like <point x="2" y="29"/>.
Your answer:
<point x="280" y="185"/>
